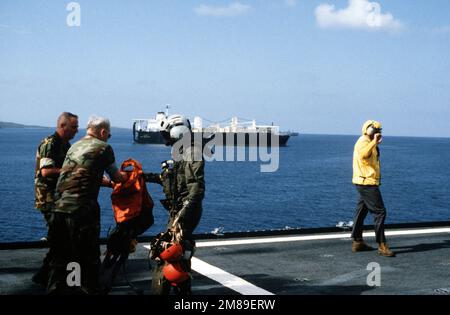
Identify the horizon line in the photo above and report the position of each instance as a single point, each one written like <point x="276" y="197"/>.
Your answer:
<point x="300" y="133"/>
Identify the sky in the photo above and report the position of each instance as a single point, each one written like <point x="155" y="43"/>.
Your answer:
<point x="316" y="66"/>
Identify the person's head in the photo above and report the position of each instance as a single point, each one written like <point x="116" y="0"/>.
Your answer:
<point x="174" y="127"/>
<point x="67" y="126"/>
<point x="99" y="127"/>
<point x="371" y="127"/>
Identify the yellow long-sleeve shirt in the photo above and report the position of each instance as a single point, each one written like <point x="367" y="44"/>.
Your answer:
<point x="366" y="162"/>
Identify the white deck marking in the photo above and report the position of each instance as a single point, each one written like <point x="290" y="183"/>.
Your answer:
<point x="225" y="278"/>
<point x="266" y="240"/>
<point x="246" y="288"/>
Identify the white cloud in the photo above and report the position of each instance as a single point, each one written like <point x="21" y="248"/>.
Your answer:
<point x="290" y="3"/>
<point x="233" y="9"/>
<point x="359" y="14"/>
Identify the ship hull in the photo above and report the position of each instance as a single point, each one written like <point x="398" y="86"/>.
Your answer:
<point x="151" y="137"/>
<point x="250" y="139"/>
<point x="222" y="138"/>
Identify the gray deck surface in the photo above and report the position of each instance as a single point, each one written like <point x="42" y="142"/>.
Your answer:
<point x="422" y="266"/>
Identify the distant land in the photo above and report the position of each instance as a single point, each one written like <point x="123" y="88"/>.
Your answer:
<point x="5" y="124"/>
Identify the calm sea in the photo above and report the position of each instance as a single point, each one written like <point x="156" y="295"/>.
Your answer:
<point x="312" y="187"/>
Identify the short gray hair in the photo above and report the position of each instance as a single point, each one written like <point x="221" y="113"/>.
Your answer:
<point x="98" y="123"/>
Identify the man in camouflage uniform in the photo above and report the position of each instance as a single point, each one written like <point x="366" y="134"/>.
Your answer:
<point x="184" y="187"/>
<point x="75" y="221"/>
<point x="49" y="160"/>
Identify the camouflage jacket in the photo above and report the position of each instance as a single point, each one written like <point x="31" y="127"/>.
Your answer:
<point x="81" y="175"/>
<point x="50" y="153"/>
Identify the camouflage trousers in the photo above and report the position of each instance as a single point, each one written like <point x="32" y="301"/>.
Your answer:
<point x="75" y="238"/>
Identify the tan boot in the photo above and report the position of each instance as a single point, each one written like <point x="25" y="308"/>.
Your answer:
<point x="360" y="246"/>
<point x="384" y="250"/>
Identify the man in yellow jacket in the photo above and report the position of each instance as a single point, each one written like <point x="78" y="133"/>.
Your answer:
<point x="366" y="177"/>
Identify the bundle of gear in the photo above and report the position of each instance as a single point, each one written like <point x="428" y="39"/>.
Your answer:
<point x="175" y="254"/>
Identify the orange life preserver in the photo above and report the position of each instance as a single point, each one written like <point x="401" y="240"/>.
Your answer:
<point x="129" y="198"/>
<point x="174" y="273"/>
<point x="172" y="254"/>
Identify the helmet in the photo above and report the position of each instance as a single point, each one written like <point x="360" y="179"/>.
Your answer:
<point x="174" y="273"/>
<point x="173" y="253"/>
<point x="174" y="127"/>
<point x="371" y="127"/>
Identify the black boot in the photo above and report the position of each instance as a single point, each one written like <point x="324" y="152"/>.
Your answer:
<point x="183" y="288"/>
<point x="41" y="276"/>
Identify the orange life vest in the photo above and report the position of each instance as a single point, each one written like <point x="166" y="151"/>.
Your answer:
<point x="129" y="198"/>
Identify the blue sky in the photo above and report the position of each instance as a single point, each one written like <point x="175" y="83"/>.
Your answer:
<point x="303" y="65"/>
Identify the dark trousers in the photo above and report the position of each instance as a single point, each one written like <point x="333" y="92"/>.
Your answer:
<point x="45" y="268"/>
<point x="370" y="199"/>
<point x="75" y="238"/>
<point x="118" y="247"/>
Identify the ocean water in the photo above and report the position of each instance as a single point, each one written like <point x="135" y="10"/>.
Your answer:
<point x="312" y="187"/>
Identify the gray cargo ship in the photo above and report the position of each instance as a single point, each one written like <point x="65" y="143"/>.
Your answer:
<point x="234" y="132"/>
